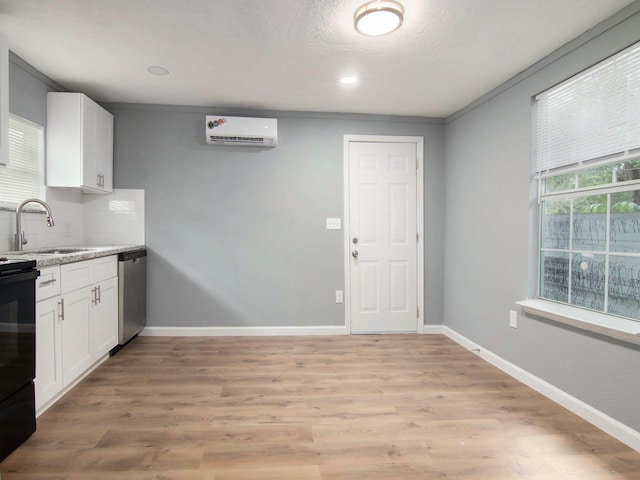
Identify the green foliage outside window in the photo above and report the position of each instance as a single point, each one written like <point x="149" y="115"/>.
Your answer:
<point x="590" y="239"/>
<point x="594" y="177"/>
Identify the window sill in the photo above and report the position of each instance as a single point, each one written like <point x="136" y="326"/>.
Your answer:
<point x="609" y="325"/>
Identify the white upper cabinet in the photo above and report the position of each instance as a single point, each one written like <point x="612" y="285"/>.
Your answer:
<point x="104" y="152"/>
<point x="79" y="143"/>
<point x="4" y="100"/>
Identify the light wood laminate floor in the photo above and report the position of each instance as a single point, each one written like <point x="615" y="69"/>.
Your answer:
<point x="311" y="408"/>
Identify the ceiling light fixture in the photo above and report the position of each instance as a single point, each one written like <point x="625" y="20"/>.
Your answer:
<point x="158" y="70"/>
<point x="349" y="80"/>
<point x="378" y="17"/>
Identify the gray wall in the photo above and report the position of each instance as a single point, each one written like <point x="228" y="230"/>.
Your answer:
<point x="488" y="265"/>
<point x="28" y="91"/>
<point x="236" y="235"/>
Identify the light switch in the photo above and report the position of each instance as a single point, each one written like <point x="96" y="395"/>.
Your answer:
<point x="334" y="223"/>
<point x="339" y="296"/>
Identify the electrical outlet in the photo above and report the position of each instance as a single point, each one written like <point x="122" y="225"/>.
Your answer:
<point x="67" y="230"/>
<point x="513" y="319"/>
<point x="339" y="296"/>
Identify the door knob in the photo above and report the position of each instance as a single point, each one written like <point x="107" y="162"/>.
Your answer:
<point x="355" y="240"/>
<point x="354" y="254"/>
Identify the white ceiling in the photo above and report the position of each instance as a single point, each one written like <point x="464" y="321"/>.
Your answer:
<point x="289" y="54"/>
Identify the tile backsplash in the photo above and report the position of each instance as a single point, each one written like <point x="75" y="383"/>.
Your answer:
<point x="116" y="219"/>
<point x="113" y="219"/>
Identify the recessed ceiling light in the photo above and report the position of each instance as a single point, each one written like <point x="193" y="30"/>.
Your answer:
<point x="378" y="17"/>
<point x="158" y="70"/>
<point x="348" y="80"/>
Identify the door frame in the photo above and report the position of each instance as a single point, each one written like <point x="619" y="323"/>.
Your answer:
<point x="419" y="142"/>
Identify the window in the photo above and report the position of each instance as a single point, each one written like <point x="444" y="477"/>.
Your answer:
<point x="24" y="176"/>
<point x="588" y="166"/>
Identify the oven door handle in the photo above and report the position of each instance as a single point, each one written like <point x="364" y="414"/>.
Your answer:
<point x="19" y="277"/>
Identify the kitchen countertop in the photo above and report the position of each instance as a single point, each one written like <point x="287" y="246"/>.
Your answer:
<point x="61" y="258"/>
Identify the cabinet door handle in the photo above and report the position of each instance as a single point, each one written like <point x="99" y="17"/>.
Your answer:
<point x="47" y="282"/>
<point x="61" y="310"/>
<point x="99" y="299"/>
<point x="94" y="296"/>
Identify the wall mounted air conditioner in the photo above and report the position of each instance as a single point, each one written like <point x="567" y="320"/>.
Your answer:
<point x="257" y="132"/>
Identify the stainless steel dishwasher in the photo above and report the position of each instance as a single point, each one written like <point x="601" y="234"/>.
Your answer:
<point x="132" y="295"/>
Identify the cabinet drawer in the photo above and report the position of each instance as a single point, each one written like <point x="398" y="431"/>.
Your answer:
<point x="81" y="274"/>
<point x="48" y="283"/>
<point x="103" y="268"/>
<point x="75" y="275"/>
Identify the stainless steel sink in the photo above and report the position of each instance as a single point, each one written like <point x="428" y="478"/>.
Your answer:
<point x="60" y="251"/>
<point x="53" y="251"/>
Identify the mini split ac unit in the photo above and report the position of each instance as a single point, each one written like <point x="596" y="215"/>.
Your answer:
<point x="258" y="132"/>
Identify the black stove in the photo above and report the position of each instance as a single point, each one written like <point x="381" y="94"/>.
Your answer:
<point x="17" y="352"/>
<point x="13" y="265"/>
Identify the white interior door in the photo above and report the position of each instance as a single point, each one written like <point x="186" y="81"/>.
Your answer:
<point x="382" y="232"/>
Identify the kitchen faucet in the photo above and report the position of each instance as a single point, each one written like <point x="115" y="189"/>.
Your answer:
<point x="20" y="238"/>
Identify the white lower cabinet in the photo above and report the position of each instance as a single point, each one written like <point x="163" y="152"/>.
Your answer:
<point x="105" y="318"/>
<point x="77" y="354"/>
<point x="77" y="325"/>
<point x="48" y="350"/>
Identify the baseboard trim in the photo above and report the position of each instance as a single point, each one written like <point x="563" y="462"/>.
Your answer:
<point x="241" y="331"/>
<point x="604" y="422"/>
<point x="433" y="329"/>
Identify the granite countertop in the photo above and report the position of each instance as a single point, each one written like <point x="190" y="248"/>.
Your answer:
<point x="65" y="256"/>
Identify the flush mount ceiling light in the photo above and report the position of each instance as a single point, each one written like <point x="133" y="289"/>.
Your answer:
<point x="378" y="17"/>
<point x="157" y="70"/>
<point x="349" y="80"/>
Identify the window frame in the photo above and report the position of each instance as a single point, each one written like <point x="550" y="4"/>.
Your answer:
<point x="571" y="250"/>
<point x="38" y="190"/>
<point x="610" y="324"/>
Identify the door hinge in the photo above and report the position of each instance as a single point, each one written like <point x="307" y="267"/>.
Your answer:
<point x="417" y="163"/>
<point x="417" y="312"/>
<point x="417" y="237"/>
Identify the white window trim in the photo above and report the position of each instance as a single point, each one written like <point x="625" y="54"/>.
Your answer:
<point x="601" y="323"/>
<point x="607" y="324"/>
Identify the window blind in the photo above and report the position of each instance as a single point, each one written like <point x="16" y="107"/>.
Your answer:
<point x="23" y="177"/>
<point x="592" y="115"/>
